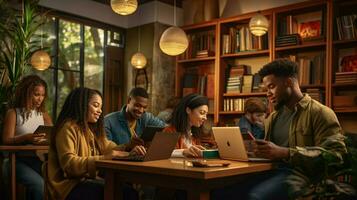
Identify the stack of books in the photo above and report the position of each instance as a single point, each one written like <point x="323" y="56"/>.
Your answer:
<point x="287" y="40"/>
<point x="346" y="77"/>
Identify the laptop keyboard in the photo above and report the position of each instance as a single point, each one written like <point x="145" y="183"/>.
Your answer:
<point x="130" y="158"/>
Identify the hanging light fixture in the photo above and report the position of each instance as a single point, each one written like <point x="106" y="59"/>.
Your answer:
<point x="40" y="60"/>
<point x="138" y="60"/>
<point x="258" y="24"/>
<point x="174" y="40"/>
<point x="124" y="7"/>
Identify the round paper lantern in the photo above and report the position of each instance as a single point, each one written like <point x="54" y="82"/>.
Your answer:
<point x="138" y="60"/>
<point x="40" y="60"/>
<point x="173" y="41"/>
<point x="258" y="24"/>
<point x="124" y="7"/>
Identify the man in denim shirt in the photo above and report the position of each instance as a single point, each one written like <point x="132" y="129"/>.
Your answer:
<point x="126" y="126"/>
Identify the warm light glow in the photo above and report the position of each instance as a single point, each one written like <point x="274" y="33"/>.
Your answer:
<point x="258" y="24"/>
<point x="124" y="7"/>
<point x="40" y="60"/>
<point x="173" y="41"/>
<point x="138" y="61"/>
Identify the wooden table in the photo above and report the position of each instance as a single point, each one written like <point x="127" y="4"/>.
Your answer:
<point x="175" y="173"/>
<point x="12" y="157"/>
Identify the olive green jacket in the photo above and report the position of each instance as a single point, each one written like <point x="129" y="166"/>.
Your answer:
<point x="314" y="125"/>
<point x="73" y="160"/>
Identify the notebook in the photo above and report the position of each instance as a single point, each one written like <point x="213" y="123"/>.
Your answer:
<point x="161" y="148"/>
<point x="231" y="145"/>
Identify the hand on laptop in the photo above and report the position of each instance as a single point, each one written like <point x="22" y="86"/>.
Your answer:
<point x="115" y="153"/>
<point x="194" y="151"/>
<point x="267" y="149"/>
<point x="138" y="150"/>
<point x="134" y="141"/>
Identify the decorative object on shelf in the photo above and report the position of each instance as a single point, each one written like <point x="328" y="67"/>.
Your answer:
<point x="139" y="76"/>
<point x="258" y="24"/>
<point x="124" y="7"/>
<point x="174" y="40"/>
<point x="40" y="60"/>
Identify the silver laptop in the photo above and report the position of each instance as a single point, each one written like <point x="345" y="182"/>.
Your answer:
<point x="231" y="145"/>
<point x="160" y="148"/>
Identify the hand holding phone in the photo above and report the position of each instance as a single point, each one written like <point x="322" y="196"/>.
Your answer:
<point x="260" y="142"/>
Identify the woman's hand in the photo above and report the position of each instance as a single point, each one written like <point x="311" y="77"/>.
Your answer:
<point x="138" y="150"/>
<point x="115" y="153"/>
<point x="38" y="138"/>
<point x="194" y="151"/>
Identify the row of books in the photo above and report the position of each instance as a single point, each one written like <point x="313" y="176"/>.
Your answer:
<point x="311" y="69"/>
<point x="199" y="45"/>
<point x="240" y="39"/>
<point x="347" y="27"/>
<point x="287" y="40"/>
<point x="317" y="94"/>
<point x="346" y="77"/>
<point x="193" y="83"/>
<point x="233" y="104"/>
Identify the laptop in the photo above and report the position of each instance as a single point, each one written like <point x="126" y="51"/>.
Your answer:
<point x="161" y="148"/>
<point x="231" y="144"/>
<point x="149" y="132"/>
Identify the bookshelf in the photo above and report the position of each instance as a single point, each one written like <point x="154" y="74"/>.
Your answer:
<point x="315" y="41"/>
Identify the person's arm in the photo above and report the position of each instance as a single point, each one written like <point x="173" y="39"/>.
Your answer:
<point x="154" y="121"/>
<point x="327" y="137"/>
<point x="72" y="164"/>
<point x="108" y="128"/>
<point x="9" y="128"/>
<point x="47" y="119"/>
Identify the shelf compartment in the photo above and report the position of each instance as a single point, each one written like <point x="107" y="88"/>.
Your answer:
<point x="345" y="110"/>
<point x="231" y="112"/>
<point x="302" y="46"/>
<point x="211" y="58"/>
<point x="344" y="84"/>
<point x="252" y="94"/>
<point x="246" y="54"/>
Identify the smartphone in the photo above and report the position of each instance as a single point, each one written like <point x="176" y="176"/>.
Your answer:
<point x="43" y="129"/>
<point x="248" y="136"/>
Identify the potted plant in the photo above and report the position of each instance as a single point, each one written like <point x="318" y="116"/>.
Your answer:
<point x="338" y="180"/>
<point x="17" y="44"/>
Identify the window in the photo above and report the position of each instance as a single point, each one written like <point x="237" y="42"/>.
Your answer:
<point x="77" y="52"/>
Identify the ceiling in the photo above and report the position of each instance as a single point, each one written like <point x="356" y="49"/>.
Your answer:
<point x="171" y="2"/>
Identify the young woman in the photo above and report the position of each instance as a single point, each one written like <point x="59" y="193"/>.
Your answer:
<point x="27" y="113"/>
<point x="78" y="141"/>
<point x="188" y="118"/>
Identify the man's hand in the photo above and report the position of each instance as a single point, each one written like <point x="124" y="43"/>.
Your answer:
<point x="267" y="149"/>
<point x="134" y="141"/>
<point x="38" y="138"/>
<point x="194" y="151"/>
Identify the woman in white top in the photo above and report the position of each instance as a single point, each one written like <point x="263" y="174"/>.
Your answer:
<point x="26" y="114"/>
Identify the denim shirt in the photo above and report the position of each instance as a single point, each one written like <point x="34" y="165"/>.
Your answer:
<point x="117" y="127"/>
<point x="245" y="126"/>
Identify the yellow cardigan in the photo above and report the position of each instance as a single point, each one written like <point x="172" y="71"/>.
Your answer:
<point x="74" y="160"/>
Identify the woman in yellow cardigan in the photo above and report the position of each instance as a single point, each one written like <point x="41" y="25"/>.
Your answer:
<point x="77" y="142"/>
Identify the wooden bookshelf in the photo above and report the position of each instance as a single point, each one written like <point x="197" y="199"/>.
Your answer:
<point x="327" y="44"/>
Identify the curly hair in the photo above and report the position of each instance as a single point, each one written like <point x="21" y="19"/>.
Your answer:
<point x="280" y="68"/>
<point x="75" y="108"/>
<point x="24" y="92"/>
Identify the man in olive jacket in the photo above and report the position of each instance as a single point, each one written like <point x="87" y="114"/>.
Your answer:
<point x="296" y="132"/>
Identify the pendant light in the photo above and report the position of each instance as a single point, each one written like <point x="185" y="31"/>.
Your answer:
<point x="138" y="60"/>
<point x="174" y="40"/>
<point x="40" y="60"/>
<point x="258" y="24"/>
<point x="124" y="7"/>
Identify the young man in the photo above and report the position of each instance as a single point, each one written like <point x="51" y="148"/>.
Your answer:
<point x="126" y="126"/>
<point x="298" y="122"/>
<point x="254" y="115"/>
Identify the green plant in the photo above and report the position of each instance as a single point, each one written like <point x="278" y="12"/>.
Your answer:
<point x="17" y="44"/>
<point x="338" y="180"/>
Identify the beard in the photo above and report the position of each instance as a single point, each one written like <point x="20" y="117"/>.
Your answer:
<point x="279" y="104"/>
